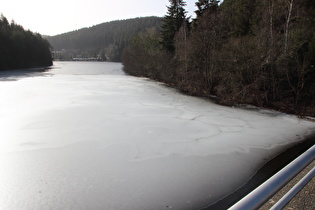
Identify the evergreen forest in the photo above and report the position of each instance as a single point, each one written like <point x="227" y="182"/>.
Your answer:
<point x="104" y="42"/>
<point x="22" y="49"/>
<point x="259" y="52"/>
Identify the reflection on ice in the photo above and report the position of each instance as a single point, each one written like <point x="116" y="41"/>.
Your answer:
<point x="14" y="75"/>
<point x="90" y="137"/>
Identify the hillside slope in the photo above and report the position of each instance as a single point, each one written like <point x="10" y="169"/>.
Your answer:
<point x="241" y="51"/>
<point x="105" y="41"/>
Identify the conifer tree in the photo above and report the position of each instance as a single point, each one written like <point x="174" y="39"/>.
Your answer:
<point x="204" y="5"/>
<point x="20" y="48"/>
<point x="173" y="20"/>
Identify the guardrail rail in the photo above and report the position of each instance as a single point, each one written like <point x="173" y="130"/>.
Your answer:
<point x="265" y="191"/>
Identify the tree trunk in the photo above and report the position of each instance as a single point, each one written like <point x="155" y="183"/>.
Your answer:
<point x="287" y="27"/>
<point x="271" y="51"/>
<point x="271" y="26"/>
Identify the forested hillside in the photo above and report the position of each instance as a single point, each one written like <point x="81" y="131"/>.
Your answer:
<point x="259" y="52"/>
<point x="20" y="48"/>
<point x="105" y="41"/>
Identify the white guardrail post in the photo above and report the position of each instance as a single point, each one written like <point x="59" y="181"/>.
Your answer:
<point x="261" y="194"/>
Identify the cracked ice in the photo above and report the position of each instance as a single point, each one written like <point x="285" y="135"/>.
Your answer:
<point x="86" y="136"/>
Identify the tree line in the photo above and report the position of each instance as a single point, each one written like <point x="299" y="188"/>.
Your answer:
<point x="105" y="41"/>
<point x="259" y="52"/>
<point x="20" y="48"/>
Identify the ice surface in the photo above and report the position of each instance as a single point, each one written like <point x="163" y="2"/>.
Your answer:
<point x="86" y="136"/>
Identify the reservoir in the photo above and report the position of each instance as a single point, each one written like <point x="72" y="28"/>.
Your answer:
<point x="84" y="135"/>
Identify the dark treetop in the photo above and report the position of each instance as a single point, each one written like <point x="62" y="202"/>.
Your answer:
<point x="22" y="49"/>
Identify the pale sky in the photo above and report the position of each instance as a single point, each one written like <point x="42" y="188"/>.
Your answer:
<point x="59" y="16"/>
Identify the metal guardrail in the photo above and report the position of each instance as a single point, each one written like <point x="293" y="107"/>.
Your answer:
<point x="291" y="193"/>
<point x="264" y="192"/>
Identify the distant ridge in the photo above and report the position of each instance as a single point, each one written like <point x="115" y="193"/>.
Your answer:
<point x="105" y="41"/>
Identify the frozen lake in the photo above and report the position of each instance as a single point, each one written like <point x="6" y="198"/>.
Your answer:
<point x="84" y="135"/>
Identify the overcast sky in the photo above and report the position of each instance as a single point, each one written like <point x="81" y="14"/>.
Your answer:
<point x="59" y="16"/>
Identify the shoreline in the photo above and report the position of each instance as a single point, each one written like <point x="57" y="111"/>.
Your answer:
<point x="264" y="173"/>
<point x="301" y="111"/>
